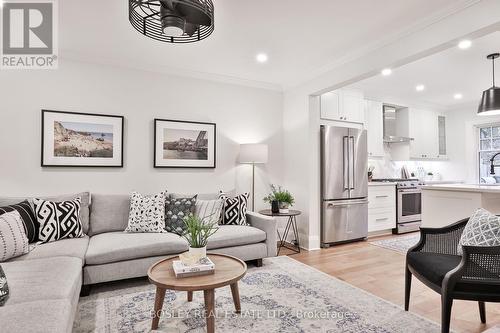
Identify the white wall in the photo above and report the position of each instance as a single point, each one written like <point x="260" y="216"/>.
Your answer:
<point x="242" y="115"/>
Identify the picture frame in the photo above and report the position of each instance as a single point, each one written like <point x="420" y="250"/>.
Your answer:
<point x="184" y="144"/>
<point x="76" y="139"/>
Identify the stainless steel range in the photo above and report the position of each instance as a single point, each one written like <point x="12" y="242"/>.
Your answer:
<point x="409" y="205"/>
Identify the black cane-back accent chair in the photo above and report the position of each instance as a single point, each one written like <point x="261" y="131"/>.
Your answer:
<point x="472" y="276"/>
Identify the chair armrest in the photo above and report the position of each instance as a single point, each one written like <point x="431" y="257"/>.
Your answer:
<point x="440" y="240"/>
<point x="269" y="226"/>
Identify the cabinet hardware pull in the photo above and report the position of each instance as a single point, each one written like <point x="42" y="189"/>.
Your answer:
<point x="382" y="219"/>
<point x="381" y="196"/>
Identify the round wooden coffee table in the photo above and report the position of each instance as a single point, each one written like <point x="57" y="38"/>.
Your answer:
<point x="228" y="271"/>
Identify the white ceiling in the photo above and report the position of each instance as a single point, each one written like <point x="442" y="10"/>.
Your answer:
<point x="302" y="38"/>
<point x="448" y="72"/>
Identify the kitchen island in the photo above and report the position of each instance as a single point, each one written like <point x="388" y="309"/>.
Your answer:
<point x="445" y="204"/>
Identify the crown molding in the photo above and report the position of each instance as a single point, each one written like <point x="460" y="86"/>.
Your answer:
<point x="166" y="70"/>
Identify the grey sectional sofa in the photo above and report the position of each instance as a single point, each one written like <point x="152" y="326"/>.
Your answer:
<point x="45" y="284"/>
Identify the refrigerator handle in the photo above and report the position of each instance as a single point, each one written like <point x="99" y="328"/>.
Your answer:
<point x="352" y="163"/>
<point x="345" y="164"/>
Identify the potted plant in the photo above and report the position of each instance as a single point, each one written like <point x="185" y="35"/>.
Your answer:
<point x="284" y="198"/>
<point x="197" y="233"/>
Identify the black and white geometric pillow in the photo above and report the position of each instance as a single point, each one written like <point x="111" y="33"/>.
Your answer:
<point x="4" y="287"/>
<point x="58" y="220"/>
<point x="147" y="213"/>
<point x="31" y="226"/>
<point x="483" y="229"/>
<point x="176" y="209"/>
<point x="13" y="240"/>
<point x="234" y="211"/>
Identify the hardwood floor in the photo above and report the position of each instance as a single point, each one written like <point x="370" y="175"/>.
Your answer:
<point x="381" y="272"/>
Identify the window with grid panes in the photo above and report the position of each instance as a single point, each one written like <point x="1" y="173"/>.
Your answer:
<point x="489" y="145"/>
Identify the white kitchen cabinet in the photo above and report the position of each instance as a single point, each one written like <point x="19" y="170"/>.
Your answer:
<point x="424" y="131"/>
<point x="381" y="207"/>
<point x="343" y="105"/>
<point x="374" y="124"/>
<point x="443" y="153"/>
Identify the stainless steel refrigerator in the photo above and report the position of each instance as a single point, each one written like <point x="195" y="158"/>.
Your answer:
<point x="344" y="185"/>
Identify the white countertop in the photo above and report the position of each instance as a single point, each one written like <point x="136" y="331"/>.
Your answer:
<point x="381" y="184"/>
<point x="464" y="188"/>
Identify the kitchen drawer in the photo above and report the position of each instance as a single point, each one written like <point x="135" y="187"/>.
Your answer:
<point x="382" y="196"/>
<point x="381" y="219"/>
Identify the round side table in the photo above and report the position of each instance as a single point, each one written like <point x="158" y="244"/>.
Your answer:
<point x="228" y="271"/>
<point x="291" y="224"/>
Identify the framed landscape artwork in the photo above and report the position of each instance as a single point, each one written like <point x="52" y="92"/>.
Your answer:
<point x="81" y="139"/>
<point x="184" y="144"/>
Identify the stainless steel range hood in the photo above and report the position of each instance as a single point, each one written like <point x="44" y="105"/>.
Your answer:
<point x="390" y="126"/>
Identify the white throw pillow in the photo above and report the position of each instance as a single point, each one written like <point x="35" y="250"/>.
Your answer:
<point x="147" y="213"/>
<point x="483" y="229"/>
<point x="209" y="211"/>
<point x="14" y="241"/>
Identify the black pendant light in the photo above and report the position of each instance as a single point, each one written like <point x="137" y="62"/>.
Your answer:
<point x="490" y="103"/>
<point x="173" y="21"/>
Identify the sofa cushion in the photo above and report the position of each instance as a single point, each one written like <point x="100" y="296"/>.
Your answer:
<point x="117" y="246"/>
<point x="54" y="316"/>
<point x="71" y="247"/>
<point x="235" y="235"/>
<point x="43" y="279"/>
<point x="109" y="212"/>
<point x="84" y="210"/>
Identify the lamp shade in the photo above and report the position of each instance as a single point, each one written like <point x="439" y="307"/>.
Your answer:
<point x="253" y="153"/>
<point x="490" y="103"/>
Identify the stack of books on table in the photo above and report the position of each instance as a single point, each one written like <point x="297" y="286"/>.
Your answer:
<point x="203" y="267"/>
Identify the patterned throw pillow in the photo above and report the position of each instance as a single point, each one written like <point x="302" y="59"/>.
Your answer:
<point x="147" y="213"/>
<point x="58" y="220"/>
<point x="31" y="226"/>
<point x="483" y="229"/>
<point x="13" y="238"/>
<point x="209" y="211"/>
<point x="176" y="209"/>
<point x="234" y="211"/>
<point x="4" y="288"/>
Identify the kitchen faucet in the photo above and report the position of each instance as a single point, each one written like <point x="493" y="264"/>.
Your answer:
<point x="492" y="165"/>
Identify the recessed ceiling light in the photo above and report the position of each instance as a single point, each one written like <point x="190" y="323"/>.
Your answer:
<point x="386" y="72"/>
<point x="262" y="57"/>
<point x="420" y="87"/>
<point x="464" y="44"/>
<point x="457" y="96"/>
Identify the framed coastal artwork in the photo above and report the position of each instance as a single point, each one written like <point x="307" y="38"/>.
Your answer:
<point x="184" y="144"/>
<point x="72" y="139"/>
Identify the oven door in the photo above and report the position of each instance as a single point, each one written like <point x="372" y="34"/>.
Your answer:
<point x="409" y="205"/>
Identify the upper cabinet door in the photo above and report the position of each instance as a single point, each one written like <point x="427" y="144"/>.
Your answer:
<point x="353" y="106"/>
<point x="423" y="127"/>
<point x="374" y="124"/>
<point x="330" y="106"/>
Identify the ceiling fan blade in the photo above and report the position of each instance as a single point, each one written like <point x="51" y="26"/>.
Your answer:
<point x="193" y="15"/>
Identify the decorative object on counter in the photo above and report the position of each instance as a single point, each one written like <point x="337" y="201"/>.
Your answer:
<point x="429" y="176"/>
<point x="196" y="234"/>
<point x="490" y="102"/>
<point x="184" y="144"/>
<point x="4" y="287"/>
<point x="253" y="153"/>
<point x="72" y="139"/>
<point x="291" y="223"/>
<point x="284" y="197"/>
<point x="404" y="172"/>
<point x="370" y="172"/>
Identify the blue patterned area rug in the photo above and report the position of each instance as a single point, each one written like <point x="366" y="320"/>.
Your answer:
<point x="282" y="296"/>
<point x="399" y="244"/>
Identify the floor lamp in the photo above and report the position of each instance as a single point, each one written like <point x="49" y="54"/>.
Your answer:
<point x="253" y="153"/>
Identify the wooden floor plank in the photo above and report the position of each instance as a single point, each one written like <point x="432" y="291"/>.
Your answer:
<point x="381" y="272"/>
